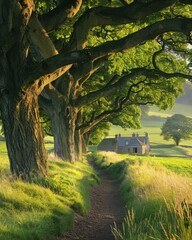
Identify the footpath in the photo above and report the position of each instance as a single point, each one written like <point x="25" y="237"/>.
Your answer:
<point x="106" y="208"/>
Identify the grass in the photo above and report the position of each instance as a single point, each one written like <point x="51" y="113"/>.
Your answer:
<point x="31" y="212"/>
<point x="44" y="208"/>
<point x="181" y="166"/>
<point x="49" y="143"/>
<point x="155" y="191"/>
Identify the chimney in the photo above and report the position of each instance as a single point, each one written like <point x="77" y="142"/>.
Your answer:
<point x="133" y="135"/>
<point x="146" y="134"/>
<point x="137" y="135"/>
<point x="119" y="135"/>
<point x="116" y="136"/>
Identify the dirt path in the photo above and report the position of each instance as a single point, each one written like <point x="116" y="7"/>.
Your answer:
<point x="106" y="207"/>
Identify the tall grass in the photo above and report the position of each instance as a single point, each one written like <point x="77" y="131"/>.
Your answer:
<point x="44" y="208"/>
<point x="181" y="166"/>
<point x="172" y="223"/>
<point x="156" y="198"/>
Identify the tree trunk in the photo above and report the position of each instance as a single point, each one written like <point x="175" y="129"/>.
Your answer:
<point x="177" y="141"/>
<point x="78" y="145"/>
<point x="23" y="133"/>
<point x="85" y="140"/>
<point x="70" y="132"/>
<point x="60" y="141"/>
<point x="63" y="125"/>
<point x="60" y="134"/>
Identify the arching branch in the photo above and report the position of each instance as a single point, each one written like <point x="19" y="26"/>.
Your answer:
<point x="56" y="17"/>
<point x="102" y="16"/>
<point x="49" y="66"/>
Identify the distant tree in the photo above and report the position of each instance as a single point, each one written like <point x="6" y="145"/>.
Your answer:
<point x="177" y="127"/>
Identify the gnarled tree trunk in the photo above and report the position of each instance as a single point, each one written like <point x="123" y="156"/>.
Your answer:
<point x="24" y="138"/>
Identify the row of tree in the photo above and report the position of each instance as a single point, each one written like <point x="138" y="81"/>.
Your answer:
<point x="85" y="63"/>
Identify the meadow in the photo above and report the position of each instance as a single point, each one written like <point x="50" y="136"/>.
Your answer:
<point x="45" y="207"/>
<point x="159" y="146"/>
<point x="157" y="193"/>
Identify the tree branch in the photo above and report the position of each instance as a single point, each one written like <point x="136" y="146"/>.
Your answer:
<point x="56" y="17"/>
<point x="40" y="38"/>
<point x="49" y="66"/>
<point x="138" y="72"/>
<point x="102" y="16"/>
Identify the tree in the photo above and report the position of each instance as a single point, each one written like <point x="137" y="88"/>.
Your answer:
<point x="31" y="60"/>
<point x="177" y="127"/>
<point x="66" y="145"/>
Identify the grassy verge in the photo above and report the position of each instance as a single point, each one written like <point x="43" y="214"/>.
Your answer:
<point x="156" y="196"/>
<point x="44" y="208"/>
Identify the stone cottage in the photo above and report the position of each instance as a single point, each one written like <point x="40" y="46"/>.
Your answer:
<point x="134" y="145"/>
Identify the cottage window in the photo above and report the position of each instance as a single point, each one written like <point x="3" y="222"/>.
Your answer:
<point x="126" y="143"/>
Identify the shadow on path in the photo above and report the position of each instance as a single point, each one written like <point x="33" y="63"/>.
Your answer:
<point x="106" y="208"/>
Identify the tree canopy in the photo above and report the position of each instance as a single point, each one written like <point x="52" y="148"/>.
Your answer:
<point x="177" y="127"/>
<point x="86" y="62"/>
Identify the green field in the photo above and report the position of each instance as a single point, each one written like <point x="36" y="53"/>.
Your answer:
<point x="181" y="166"/>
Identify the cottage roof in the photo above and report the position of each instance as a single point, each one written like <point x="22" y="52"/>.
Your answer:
<point x="134" y="141"/>
<point x="109" y="141"/>
<point x="144" y="139"/>
<point x="122" y="141"/>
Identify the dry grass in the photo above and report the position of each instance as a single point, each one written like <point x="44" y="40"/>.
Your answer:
<point x="159" y="181"/>
<point x="155" y="196"/>
<point x="111" y="157"/>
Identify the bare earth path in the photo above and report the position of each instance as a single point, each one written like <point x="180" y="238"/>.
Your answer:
<point x="106" y="207"/>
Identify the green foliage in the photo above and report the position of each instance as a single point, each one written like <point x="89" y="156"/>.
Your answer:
<point x="46" y="123"/>
<point x="177" y="127"/>
<point x="43" y="6"/>
<point x="129" y="117"/>
<point x="158" y="91"/>
<point x="98" y="132"/>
